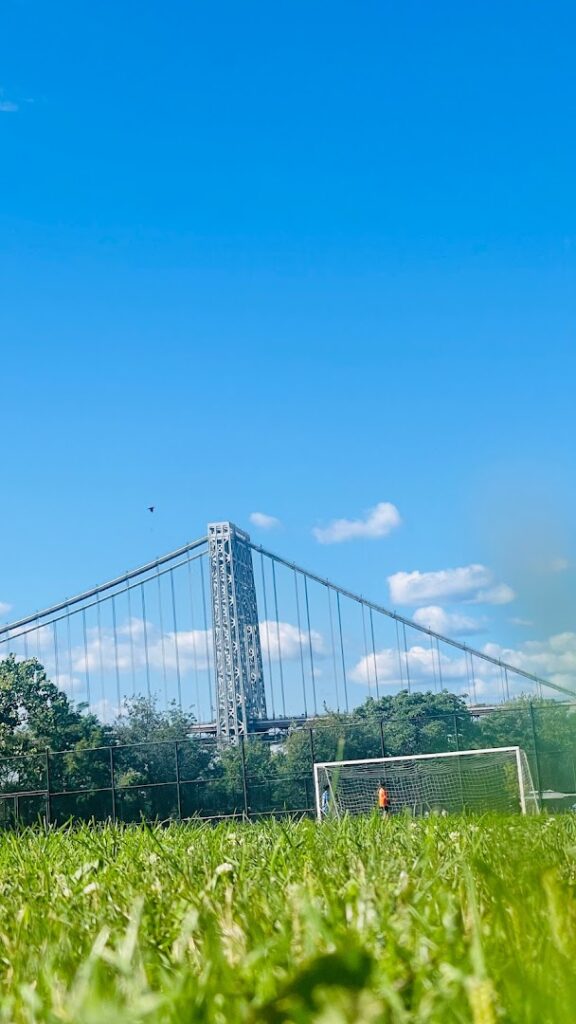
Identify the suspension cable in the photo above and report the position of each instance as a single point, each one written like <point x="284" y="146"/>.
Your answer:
<point x="333" y="645"/>
<point x="194" y="639"/>
<point x="406" y="655"/>
<point x="410" y="622"/>
<point x="374" y="656"/>
<point x="178" y="678"/>
<point x="145" y="628"/>
<point x="310" y="647"/>
<point x="301" y="647"/>
<point x="268" y="654"/>
<point x="342" y="651"/>
<point x="280" y="662"/>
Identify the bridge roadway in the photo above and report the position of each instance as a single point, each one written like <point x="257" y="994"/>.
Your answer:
<point x="264" y="725"/>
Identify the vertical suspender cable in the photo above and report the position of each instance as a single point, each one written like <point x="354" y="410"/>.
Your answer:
<point x="37" y="639"/>
<point x="131" y="633"/>
<point x="310" y="646"/>
<point x="502" y="691"/>
<point x="178" y="679"/>
<point x="441" y="681"/>
<point x="116" y="665"/>
<point x="145" y="629"/>
<point x="342" y="650"/>
<point x="56" y="661"/>
<point x="406" y="655"/>
<point x="399" y="654"/>
<point x="366" y="658"/>
<point x="468" y="686"/>
<point x="506" y="683"/>
<point x="280" y="662"/>
<point x="86" y="669"/>
<point x="100" y="658"/>
<point x="433" y="663"/>
<point x="333" y="645"/>
<point x="376" y="681"/>
<point x="205" y="614"/>
<point x="70" y="662"/>
<point x="194" y="643"/>
<point x="474" y="694"/>
<point x="298" y="623"/>
<point x="162" y="641"/>
<point x="269" y="658"/>
<point x="26" y="645"/>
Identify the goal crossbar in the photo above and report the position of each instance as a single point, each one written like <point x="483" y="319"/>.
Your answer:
<point x="417" y="757"/>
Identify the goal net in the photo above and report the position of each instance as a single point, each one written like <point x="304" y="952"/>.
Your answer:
<point x="495" y="779"/>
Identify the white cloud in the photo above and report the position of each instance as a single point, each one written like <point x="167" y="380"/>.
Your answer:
<point x="559" y="565"/>
<point x="284" y="639"/>
<point x="553" y="659"/>
<point x="4" y="607"/>
<point x="378" y="522"/>
<point x="105" y="710"/>
<point x="264" y="521"/>
<point x="449" y="623"/>
<point x="518" y="621"/>
<point x="499" y="594"/>
<point x="422" y="663"/>
<point x="7" y="107"/>
<point x="473" y="583"/>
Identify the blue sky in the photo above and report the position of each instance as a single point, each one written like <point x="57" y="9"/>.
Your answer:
<point x="297" y="259"/>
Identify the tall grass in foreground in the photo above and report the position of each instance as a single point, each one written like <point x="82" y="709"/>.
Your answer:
<point x="445" y="920"/>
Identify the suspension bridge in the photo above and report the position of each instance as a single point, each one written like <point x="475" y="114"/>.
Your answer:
<point x="247" y="641"/>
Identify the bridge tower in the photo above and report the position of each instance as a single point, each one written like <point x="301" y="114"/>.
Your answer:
<point x="240" y="696"/>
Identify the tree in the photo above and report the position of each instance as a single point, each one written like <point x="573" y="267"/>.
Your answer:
<point x="148" y="743"/>
<point x="546" y="730"/>
<point x="35" y="716"/>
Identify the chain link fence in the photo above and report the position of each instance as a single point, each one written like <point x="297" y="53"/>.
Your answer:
<point x="268" y="774"/>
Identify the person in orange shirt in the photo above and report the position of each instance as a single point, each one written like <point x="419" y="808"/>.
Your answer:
<point x="383" y="799"/>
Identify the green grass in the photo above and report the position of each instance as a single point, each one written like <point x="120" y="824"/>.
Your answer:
<point x="362" y="920"/>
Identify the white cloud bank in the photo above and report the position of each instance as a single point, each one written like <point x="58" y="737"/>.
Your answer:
<point x="553" y="659"/>
<point x="378" y="522"/>
<point x="472" y="583"/>
<point x="4" y="608"/>
<point x="449" y="623"/>
<point x="264" y="521"/>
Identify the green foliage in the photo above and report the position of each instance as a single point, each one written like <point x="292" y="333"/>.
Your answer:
<point x="152" y="748"/>
<point x="362" y="921"/>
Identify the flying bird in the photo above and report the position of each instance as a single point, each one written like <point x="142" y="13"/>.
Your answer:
<point x="151" y="508"/>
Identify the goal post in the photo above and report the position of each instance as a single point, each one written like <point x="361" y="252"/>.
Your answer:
<point x="454" y="781"/>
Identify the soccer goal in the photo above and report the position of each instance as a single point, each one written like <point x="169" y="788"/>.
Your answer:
<point x="494" y="779"/>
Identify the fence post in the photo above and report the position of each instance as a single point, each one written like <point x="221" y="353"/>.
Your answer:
<point x="48" y="802"/>
<point x="457" y="738"/>
<point x="178" y="791"/>
<point x="244" y="780"/>
<point x="456" y="731"/>
<point x="112" y="785"/>
<point x="312" y="750"/>
<point x="382" y="746"/>
<point x="536" y="755"/>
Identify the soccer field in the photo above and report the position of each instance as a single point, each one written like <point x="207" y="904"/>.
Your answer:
<point x="363" y="920"/>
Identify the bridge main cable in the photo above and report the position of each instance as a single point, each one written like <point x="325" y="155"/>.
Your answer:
<point x="102" y="587"/>
<point x="413" y="625"/>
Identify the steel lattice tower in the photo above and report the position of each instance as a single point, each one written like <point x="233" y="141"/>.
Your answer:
<point x="240" y="696"/>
